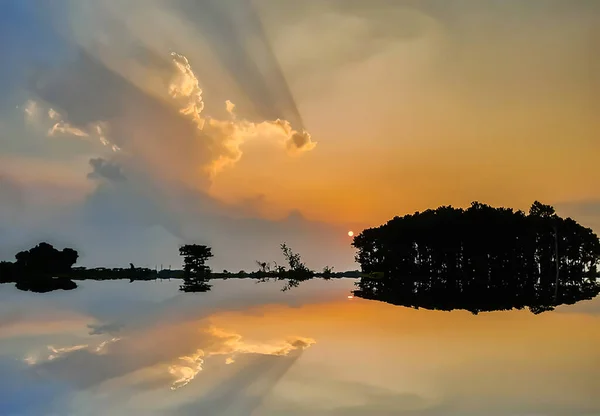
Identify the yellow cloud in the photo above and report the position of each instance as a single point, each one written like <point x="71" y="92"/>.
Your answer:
<point x="227" y="136"/>
<point x="230" y="344"/>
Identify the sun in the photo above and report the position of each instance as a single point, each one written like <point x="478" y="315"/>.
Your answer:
<point x="350" y="233"/>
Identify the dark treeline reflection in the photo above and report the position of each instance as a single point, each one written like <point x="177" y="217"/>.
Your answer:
<point x="479" y="259"/>
<point x="447" y="297"/>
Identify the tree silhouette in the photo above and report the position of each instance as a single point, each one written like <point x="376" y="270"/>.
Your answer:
<point x="481" y="258"/>
<point x="45" y="260"/>
<point x="196" y="273"/>
<point x="293" y="275"/>
<point x="41" y="269"/>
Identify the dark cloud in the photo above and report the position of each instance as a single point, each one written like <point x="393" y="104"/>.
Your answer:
<point x="300" y="141"/>
<point x="101" y="329"/>
<point x="105" y="169"/>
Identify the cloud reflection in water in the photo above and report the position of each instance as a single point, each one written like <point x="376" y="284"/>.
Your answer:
<point x="145" y="349"/>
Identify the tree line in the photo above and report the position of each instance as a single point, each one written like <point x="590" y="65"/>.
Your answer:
<point x="469" y="258"/>
<point x="479" y="258"/>
<point x="45" y="268"/>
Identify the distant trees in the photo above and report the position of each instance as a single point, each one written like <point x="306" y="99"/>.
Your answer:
<point x="196" y="273"/>
<point x="480" y="253"/>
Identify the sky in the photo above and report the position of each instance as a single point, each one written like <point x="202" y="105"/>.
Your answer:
<point x="245" y="348"/>
<point x="130" y="127"/>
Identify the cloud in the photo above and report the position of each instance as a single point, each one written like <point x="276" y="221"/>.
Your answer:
<point x="55" y="353"/>
<point x="169" y="147"/>
<point x="234" y="32"/>
<point x="227" y="136"/>
<point x="104" y="169"/>
<point x="230" y="345"/>
<point x="58" y="126"/>
<point x="181" y="358"/>
<point x="131" y="105"/>
<point x="147" y="124"/>
<point x="100" y="329"/>
<point x="31" y="110"/>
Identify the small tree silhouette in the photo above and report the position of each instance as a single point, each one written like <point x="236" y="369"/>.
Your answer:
<point x="196" y="273"/>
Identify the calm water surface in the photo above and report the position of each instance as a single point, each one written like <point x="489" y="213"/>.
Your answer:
<point x="115" y="348"/>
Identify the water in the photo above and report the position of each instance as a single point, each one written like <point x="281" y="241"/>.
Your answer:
<point x="143" y="348"/>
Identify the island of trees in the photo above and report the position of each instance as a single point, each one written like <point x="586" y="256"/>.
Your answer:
<point x="481" y="258"/>
<point x="478" y="259"/>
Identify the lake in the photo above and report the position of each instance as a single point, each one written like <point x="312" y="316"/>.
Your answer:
<point x="246" y="348"/>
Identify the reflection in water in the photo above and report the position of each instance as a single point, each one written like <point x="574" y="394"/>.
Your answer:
<point x="231" y="346"/>
<point x="249" y="349"/>
<point x="446" y="295"/>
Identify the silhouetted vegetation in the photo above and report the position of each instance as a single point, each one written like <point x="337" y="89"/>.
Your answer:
<point x="44" y="268"/>
<point x="295" y="273"/>
<point x="40" y="269"/>
<point x="479" y="259"/>
<point x="196" y="273"/>
<point x="131" y="273"/>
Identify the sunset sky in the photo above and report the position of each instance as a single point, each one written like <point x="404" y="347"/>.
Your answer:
<point x="130" y="127"/>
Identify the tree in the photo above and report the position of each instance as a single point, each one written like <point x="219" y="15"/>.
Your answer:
<point x="294" y="260"/>
<point x="294" y="274"/>
<point x="541" y="210"/>
<point x="44" y="268"/>
<point x="45" y="260"/>
<point x="196" y="273"/>
<point x="68" y="258"/>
